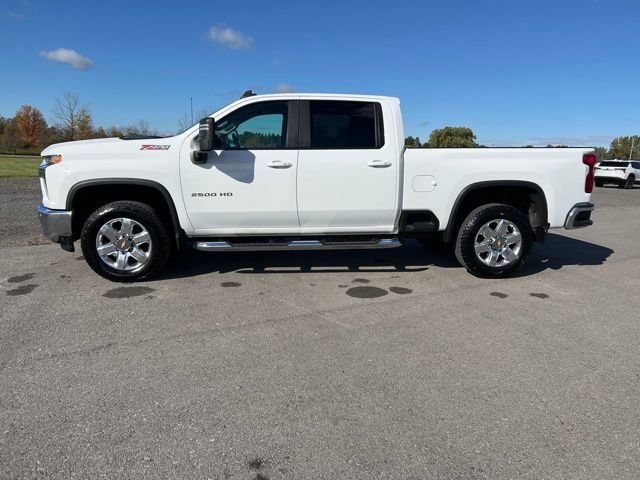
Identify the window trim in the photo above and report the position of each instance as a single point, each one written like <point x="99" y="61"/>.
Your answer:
<point x="291" y="119"/>
<point x="304" y="135"/>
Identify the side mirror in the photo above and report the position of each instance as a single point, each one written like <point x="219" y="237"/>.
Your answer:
<point x="206" y="134"/>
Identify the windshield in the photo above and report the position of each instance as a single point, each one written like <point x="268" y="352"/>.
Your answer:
<point x="614" y="164"/>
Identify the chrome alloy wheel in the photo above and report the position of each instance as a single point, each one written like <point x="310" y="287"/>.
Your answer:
<point x="498" y="243"/>
<point x="123" y="244"/>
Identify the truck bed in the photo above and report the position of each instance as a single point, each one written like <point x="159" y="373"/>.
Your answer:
<point x="434" y="178"/>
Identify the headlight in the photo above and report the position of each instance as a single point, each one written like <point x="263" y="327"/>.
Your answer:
<point x="51" y="160"/>
<point x="47" y="161"/>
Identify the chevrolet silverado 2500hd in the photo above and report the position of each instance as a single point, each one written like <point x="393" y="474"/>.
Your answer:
<point x="305" y="171"/>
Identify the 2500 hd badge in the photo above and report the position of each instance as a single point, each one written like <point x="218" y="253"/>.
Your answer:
<point x="212" y="194"/>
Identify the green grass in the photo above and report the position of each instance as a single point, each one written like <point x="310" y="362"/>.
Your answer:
<point x="18" y="166"/>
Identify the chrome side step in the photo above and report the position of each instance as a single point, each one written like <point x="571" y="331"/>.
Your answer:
<point x="219" y="246"/>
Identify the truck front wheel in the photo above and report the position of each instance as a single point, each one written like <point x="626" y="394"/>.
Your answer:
<point x="125" y="241"/>
<point x="494" y="241"/>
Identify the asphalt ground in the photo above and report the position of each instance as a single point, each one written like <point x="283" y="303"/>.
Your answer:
<point x="323" y="365"/>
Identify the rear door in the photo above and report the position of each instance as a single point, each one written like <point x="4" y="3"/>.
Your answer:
<point x="347" y="167"/>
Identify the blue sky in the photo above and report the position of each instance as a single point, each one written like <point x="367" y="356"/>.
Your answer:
<point x="517" y="72"/>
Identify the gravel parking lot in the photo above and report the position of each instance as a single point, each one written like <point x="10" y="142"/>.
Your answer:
<point x="18" y="200"/>
<point x="323" y="365"/>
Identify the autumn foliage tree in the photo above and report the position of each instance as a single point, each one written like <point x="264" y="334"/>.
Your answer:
<point x="73" y="119"/>
<point x="27" y="131"/>
<point x="30" y="125"/>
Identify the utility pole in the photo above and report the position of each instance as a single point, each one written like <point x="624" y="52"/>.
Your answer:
<point x="191" y="101"/>
<point x="633" y="139"/>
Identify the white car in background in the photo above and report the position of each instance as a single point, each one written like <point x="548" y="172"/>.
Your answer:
<point x="624" y="173"/>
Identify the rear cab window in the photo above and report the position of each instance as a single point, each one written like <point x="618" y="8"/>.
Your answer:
<point x="338" y="125"/>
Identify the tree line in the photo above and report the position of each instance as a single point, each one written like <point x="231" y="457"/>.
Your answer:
<point x="28" y="132"/>
<point x="463" y="137"/>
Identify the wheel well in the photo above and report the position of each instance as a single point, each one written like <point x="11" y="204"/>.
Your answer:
<point x="526" y="197"/>
<point x="83" y="200"/>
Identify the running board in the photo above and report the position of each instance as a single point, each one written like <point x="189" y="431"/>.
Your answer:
<point x="295" y="245"/>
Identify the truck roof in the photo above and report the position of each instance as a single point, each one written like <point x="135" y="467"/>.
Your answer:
<point x="341" y="96"/>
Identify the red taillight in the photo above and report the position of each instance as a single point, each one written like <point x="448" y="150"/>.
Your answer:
<point x="589" y="160"/>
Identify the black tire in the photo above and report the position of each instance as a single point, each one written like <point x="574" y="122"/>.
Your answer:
<point x="469" y="230"/>
<point x="599" y="183"/>
<point x="140" y="213"/>
<point x="631" y="180"/>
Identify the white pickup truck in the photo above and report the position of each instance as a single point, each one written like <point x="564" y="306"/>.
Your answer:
<point x="305" y="171"/>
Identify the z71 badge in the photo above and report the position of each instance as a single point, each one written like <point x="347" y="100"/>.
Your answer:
<point x="155" y="147"/>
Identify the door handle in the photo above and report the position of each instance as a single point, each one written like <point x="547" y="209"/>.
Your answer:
<point x="378" y="164"/>
<point x="278" y="164"/>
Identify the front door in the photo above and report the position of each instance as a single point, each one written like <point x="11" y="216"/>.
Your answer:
<point x="248" y="183"/>
<point x="347" y="169"/>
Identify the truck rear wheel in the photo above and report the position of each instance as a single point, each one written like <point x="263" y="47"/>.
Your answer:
<point x="125" y="241"/>
<point x="494" y="241"/>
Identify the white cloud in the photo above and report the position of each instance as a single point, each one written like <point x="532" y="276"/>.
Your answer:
<point x="16" y="15"/>
<point x="283" y="88"/>
<point x="229" y="37"/>
<point x="68" y="56"/>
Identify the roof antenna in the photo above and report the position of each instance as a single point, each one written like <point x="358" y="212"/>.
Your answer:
<point x="248" y="93"/>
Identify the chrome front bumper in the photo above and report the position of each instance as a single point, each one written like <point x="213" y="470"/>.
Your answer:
<point x="579" y="216"/>
<point x="56" y="224"/>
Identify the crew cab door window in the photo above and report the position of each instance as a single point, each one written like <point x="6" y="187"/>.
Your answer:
<point x="260" y="126"/>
